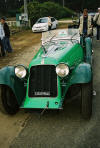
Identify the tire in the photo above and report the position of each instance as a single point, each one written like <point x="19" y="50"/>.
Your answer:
<point x="8" y="102"/>
<point x="86" y="100"/>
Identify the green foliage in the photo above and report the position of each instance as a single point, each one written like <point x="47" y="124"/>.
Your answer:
<point x="77" y="5"/>
<point x="37" y="10"/>
<point x="54" y="9"/>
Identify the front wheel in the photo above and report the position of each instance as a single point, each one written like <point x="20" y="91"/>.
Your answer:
<point x="86" y="100"/>
<point x="8" y="102"/>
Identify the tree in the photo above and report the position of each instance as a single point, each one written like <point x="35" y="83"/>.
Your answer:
<point x="10" y="7"/>
<point x="37" y="10"/>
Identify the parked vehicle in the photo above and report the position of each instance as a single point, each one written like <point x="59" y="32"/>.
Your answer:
<point x="62" y="66"/>
<point x="92" y="13"/>
<point x="42" y="24"/>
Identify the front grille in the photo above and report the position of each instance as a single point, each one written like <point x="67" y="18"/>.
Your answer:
<point x="43" y="81"/>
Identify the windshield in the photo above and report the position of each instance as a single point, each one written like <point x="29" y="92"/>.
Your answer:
<point x="42" y="20"/>
<point x="64" y="35"/>
<point x="59" y="39"/>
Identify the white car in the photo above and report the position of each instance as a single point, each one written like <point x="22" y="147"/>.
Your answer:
<point x="42" y="24"/>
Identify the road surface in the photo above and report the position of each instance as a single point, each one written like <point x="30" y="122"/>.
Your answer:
<point x="25" y="45"/>
<point x="66" y="129"/>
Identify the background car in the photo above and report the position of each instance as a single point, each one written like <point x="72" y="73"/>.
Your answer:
<point x="92" y="13"/>
<point x="42" y="24"/>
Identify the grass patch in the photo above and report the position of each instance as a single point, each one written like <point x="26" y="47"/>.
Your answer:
<point x="64" y="19"/>
<point x="62" y="25"/>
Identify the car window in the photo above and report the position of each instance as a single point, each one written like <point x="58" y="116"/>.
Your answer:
<point x="42" y="20"/>
<point x="52" y="19"/>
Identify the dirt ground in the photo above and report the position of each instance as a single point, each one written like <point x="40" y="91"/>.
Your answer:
<point x="25" y="45"/>
<point x="66" y="129"/>
<point x="52" y="130"/>
<point x="21" y="42"/>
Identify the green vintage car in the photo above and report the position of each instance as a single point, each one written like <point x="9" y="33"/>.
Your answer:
<point x="60" y="70"/>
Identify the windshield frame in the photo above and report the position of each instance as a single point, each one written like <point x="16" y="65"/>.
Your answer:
<point x="46" y="20"/>
<point x="61" y="34"/>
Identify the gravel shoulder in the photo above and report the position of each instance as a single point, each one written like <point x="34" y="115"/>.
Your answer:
<point x="25" y="45"/>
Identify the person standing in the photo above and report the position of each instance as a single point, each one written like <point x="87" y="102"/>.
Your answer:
<point x="85" y="24"/>
<point x="7" y="35"/>
<point x="49" y="23"/>
<point x="2" y="35"/>
<point x="96" y="19"/>
<point x="85" y="29"/>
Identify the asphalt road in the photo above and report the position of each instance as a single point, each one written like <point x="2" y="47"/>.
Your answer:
<point x="66" y="129"/>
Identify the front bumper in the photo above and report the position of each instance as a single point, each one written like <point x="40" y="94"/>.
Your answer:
<point x="40" y="29"/>
<point x="41" y="103"/>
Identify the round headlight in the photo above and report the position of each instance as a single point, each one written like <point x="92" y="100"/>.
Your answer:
<point x="20" y="71"/>
<point x="62" y="70"/>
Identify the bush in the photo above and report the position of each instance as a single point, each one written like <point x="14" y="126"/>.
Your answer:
<point x="54" y="9"/>
<point x="37" y="10"/>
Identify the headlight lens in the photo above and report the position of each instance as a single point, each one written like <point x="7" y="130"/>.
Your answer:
<point x="62" y="70"/>
<point x="20" y="71"/>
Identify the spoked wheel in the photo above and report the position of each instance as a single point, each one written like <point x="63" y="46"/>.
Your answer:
<point x="86" y="100"/>
<point x="8" y="102"/>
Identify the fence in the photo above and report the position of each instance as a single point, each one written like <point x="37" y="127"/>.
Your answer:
<point x="11" y="23"/>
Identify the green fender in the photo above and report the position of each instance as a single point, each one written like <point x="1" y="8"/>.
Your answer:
<point x="82" y="74"/>
<point x="7" y="77"/>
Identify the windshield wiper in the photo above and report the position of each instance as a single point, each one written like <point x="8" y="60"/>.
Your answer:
<point x="73" y="36"/>
<point x="44" y="50"/>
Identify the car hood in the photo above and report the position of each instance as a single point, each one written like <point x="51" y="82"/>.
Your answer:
<point x="72" y="55"/>
<point x="40" y="25"/>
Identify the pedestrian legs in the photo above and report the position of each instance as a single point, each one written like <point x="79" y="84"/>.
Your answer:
<point x="2" y="47"/>
<point x="7" y="45"/>
<point x="98" y="32"/>
<point x="88" y="43"/>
